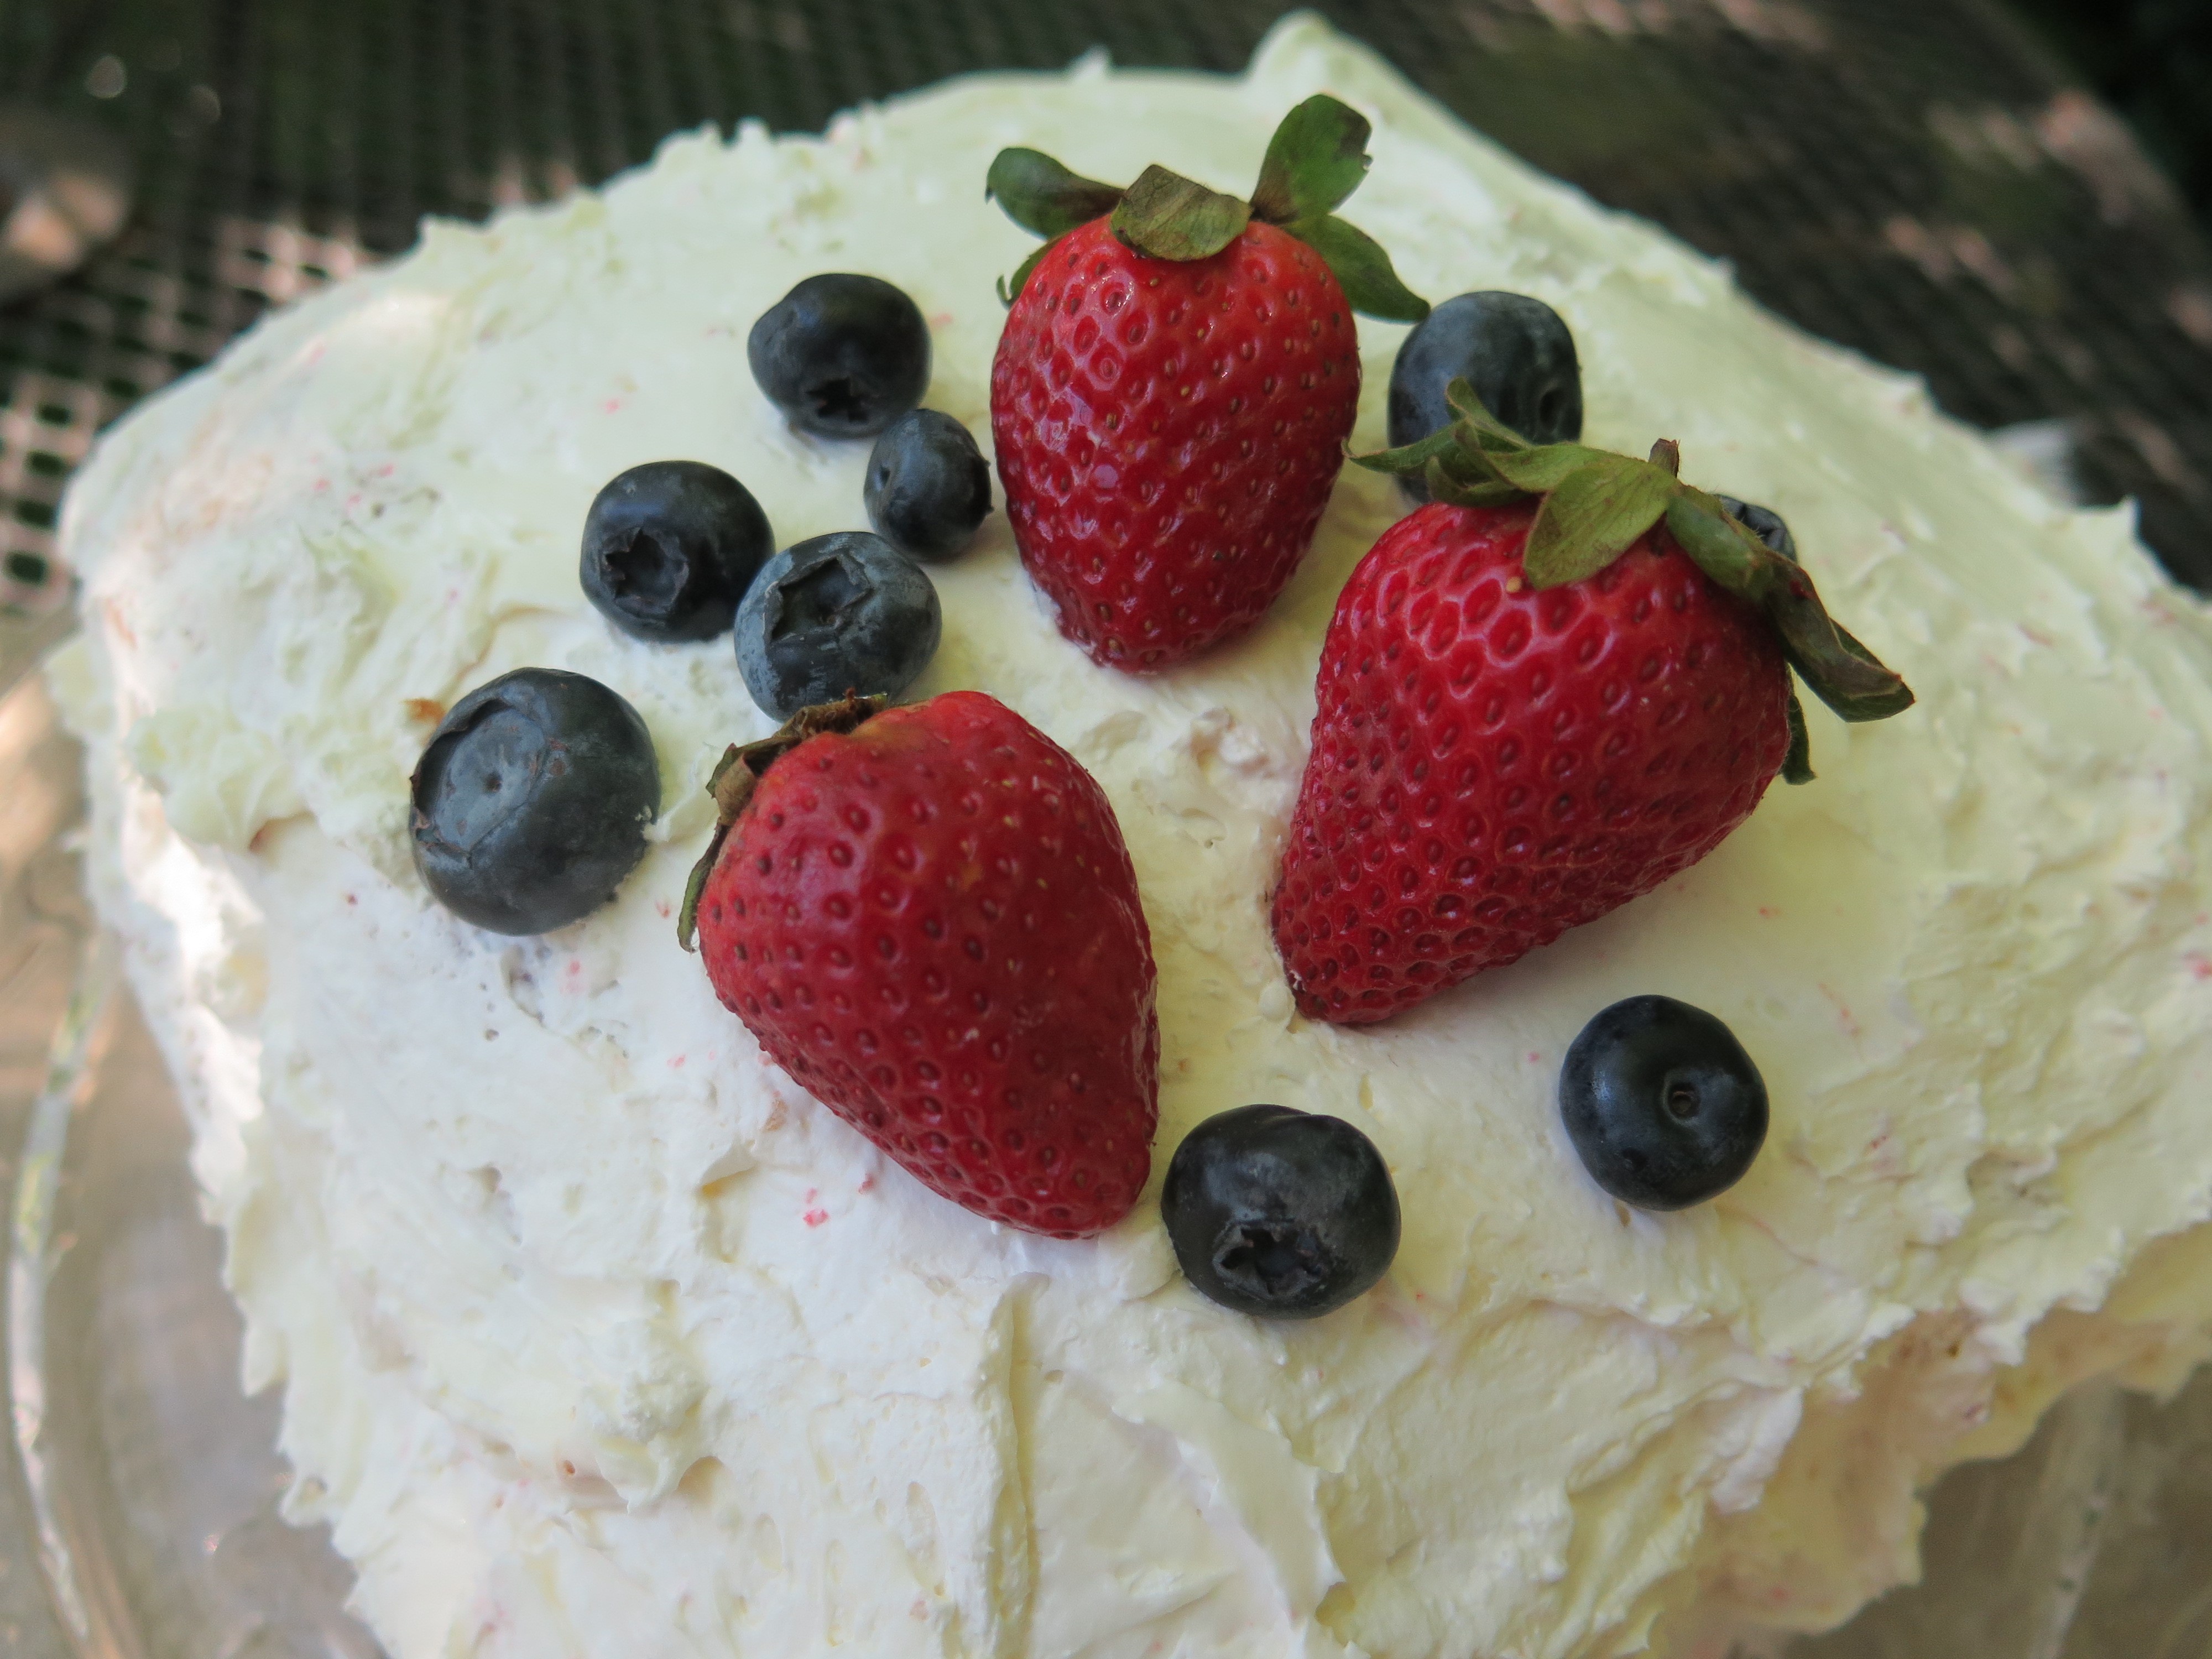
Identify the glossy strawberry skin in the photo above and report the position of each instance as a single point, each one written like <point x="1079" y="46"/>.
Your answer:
<point x="1492" y="766"/>
<point x="1168" y="433"/>
<point x="932" y="925"/>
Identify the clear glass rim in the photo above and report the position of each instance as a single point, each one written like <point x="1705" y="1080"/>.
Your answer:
<point x="89" y="1602"/>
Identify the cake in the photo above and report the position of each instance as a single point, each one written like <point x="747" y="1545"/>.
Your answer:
<point x="597" y="1336"/>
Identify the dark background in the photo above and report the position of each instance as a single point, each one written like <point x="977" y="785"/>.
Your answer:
<point x="1942" y="185"/>
<point x="2152" y="61"/>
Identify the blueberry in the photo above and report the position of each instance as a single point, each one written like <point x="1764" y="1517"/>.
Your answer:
<point x="1278" y="1213"/>
<point x="843" y="612"/>
<point x="670" y="548"/>
<point x="1662" y="1104"/>
<point x="531" y="801"/>
<point x="928" y="486"/>
<point x="1763" y="522"/>
<point x="841" y="355"/>
<point x="1516" y="352"/>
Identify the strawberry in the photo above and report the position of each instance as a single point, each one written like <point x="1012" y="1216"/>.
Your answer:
<point x="1177" y="375"/>
<point x="927" y="918"/>
<point x="1168" y="438"/>
<point x="1491" y="764"/>
<point x="1530" y="711"/>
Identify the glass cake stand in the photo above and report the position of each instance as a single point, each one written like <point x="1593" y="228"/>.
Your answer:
<point x="140" y="1518"/>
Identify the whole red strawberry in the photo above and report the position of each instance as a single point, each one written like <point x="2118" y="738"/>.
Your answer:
<point x="1492" y="765"/>
<point x="1526" y="716"/>
<point x="928" y="919"/>
<point x="1177" y="376"/>
<point x="1168" y="435"/>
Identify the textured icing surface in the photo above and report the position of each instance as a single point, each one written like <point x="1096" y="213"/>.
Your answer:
<point x="601" y="1338"/>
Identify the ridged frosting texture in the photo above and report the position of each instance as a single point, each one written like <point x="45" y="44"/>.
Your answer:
<point x="598" y="1337"/>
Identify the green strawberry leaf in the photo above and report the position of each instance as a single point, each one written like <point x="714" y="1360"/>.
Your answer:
<point x="1849" y="642"/>
<point x="1455" y="469"/>
<point x="1465" y="477"/>
<point x="1316" y="160"/>
<point x="1716" y="543"/>
<point x="1546" y="468"/>
<point x="1363" y="269"/>
<point x="1835" y="666"/>
<point x="1447" y="483"/>
<point x="1042" y="197"/>
<point x="1168" y="216"/>
<point x="1411" y="458"/>
<point x="1011" y="291"/>
<point x="1797" y="764"/>
<point x="695" y="888"/>
<point x="1856" y="687"/>
<point x="1469" y="466"/>
<point x="1471" y="409"/>
<point x="1592" y="517"/>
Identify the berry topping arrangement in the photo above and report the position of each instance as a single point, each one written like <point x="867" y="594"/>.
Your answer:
<point x="1177" y="376"/>
<point x="1514" y="351"/>
<point x="1661" y="1103"/>
<point x="1282" y="1213"/>
<point x="926" y="915"/>
<point x="841" y="355"/>
<point x="1563" y="680"/>
<point x="670" y="547"/>
<point x="929" y="487"/>
<point x="1254" y="1061"/>
<point x="1561" y="683"/>
<point x="531" y="801"/>
<point x="845" y="612"/>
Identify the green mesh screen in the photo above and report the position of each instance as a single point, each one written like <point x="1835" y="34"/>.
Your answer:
<point x="1908" y="177"/>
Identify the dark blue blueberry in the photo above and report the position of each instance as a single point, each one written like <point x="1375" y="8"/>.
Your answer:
<point x="841" y="355"/>
<point x="1763" y="522"/>
<point x="1514" y="351"/>
<point x="532" y="802"/>
<point x="670" y="548"/>
<point x="1278" y="1213"/>
<point x="843" y="612"/>
<point x="928" y="486"/>
<point x="1662" y="1104"/>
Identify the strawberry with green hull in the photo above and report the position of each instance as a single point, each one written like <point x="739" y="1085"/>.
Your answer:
<point x="927" y="917"/>
<point x="1177" y="376"/>
<point x="1563" y="681"/>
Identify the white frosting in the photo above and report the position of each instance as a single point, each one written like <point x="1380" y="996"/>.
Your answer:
<point x="599" y="1338"/>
